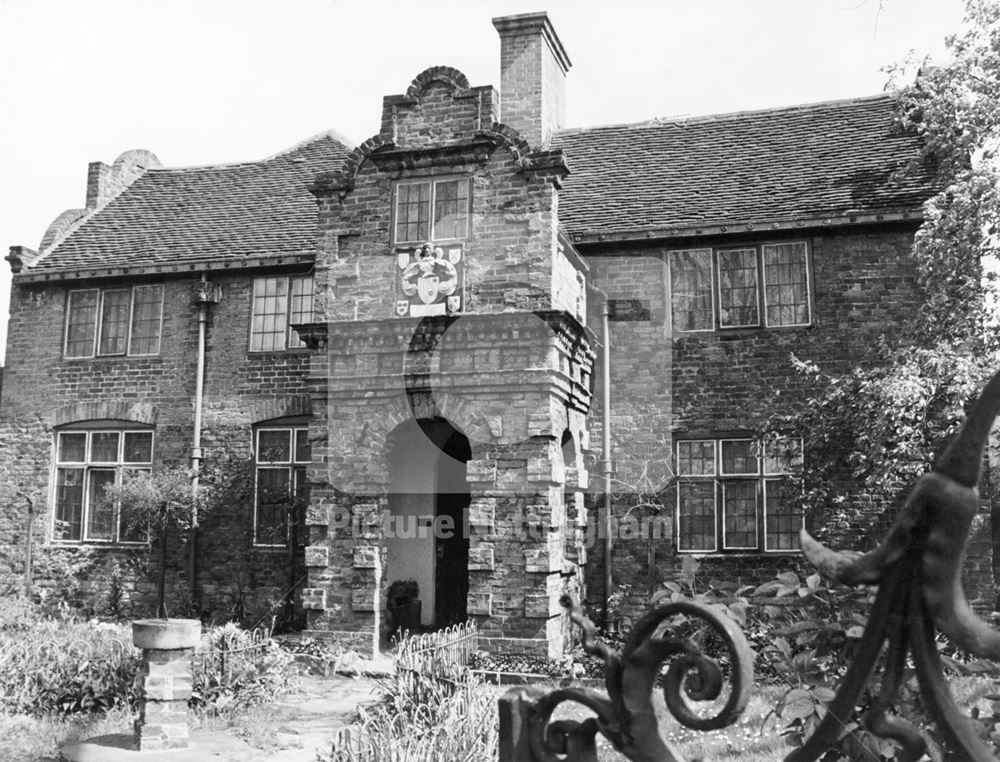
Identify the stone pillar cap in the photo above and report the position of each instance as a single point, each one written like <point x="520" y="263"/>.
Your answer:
<point x="166" y="634"/>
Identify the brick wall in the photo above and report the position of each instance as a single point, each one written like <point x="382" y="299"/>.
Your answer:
<point x="511" y="373"/>
<point x="730" y="381"/>
<point x="43" y="390"/>
<point x="533" y="68"/>
<point x="509" y="251"/>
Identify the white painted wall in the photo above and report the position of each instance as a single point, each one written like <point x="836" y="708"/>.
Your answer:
<point x="411" y="503"/>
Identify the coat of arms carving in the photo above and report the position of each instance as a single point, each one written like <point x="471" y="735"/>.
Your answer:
<point x="431" y="280"/>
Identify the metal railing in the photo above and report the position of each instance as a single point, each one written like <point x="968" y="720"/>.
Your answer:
<point x="230" y="651"/>
<point x="440" y="653"/>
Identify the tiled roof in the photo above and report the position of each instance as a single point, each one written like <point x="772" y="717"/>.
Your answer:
<point x="827" y="160"/>
<point x="800" y="163"/>
<point x="173" y="216"/>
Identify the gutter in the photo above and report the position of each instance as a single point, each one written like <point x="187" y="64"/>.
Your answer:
<point x="752" y="226"/>
<point x="185" y="267"/>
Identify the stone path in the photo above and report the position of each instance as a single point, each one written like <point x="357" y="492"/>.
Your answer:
<point x="292" y="729"/>
<point x="309" y="719"/>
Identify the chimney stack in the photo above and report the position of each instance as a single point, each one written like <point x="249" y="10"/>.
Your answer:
<point x="533" y="66"/>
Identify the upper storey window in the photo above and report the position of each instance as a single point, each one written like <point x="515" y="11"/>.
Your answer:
<point x="746" y="287"/>
<point x="279" y="303"/>
<point x="114" y="321"/>
<point x="432" y="210"/>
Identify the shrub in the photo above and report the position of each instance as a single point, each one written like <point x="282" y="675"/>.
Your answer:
<point x="63" y="665"/>
<point x="233" y="670"/>
<point x="422" y="719"/>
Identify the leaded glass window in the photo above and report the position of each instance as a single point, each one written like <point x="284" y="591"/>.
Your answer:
<point x="738" y="495"/>
<point x="735" y="288"/>
<point x="432" y="210"/>
<point x="114" y="321"/>
<point x="279" y="303"/>
<point x="87" y="461"/>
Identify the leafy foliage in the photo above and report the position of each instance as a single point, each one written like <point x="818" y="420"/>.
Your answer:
<point x="617" y="599"/>
<point x="233" y="671"/>
<point x="869" y="433"/>
<point x="422" y="719"/>
<point x="159" y="499"/>
<point x="58" y="664"/>
<point x="882" y="422"/>
<point x="955" y="106"/>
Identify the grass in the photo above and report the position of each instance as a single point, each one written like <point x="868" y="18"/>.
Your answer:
<point x="34" y="739"/>
<point x="258" y="726"/>
<point x="754" y="738"/>
<point x="38" y="739"/>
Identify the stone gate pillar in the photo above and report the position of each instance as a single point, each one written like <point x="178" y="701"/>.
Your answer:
<point x="165" y="681"/>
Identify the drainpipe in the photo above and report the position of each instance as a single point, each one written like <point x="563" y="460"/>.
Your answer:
<point x="606" y="466"/>
<point x="606" y="446"/>
<point x="29" y="541"/>
<point x="199" y="391"/>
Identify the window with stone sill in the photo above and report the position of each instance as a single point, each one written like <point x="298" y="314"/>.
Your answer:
<point x="741" y="287"/>
<point x="735" y="495"/>
<point x="106" y="322"/>
<point x="279" y="303"/>
<point x="281" y="493"/>
<point x="432" y="210"/>
<point x="87" y="460"/>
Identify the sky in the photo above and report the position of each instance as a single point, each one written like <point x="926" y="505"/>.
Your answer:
<point x="215" y="81"/>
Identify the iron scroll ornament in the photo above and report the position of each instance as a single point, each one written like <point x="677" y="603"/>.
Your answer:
<point x="918" y="568"/>
<point x="632" y="715"/>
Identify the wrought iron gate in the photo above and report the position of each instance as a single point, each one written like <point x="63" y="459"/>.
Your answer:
<point x="918" y="569"/>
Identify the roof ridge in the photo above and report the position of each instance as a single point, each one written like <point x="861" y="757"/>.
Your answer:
<point x="68" y="232"/>
<point x="727" y="115"/>
<point x="331" y="134"/>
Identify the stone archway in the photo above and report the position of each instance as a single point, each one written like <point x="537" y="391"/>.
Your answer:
<point x="427" y="538"/>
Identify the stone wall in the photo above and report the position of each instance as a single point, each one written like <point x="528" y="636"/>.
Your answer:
<point x="511" y="372"/>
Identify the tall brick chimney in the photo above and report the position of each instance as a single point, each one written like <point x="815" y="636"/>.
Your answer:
<point x="533" y="66"/>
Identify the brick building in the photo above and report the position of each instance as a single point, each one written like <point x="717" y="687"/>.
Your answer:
<point x="407" y="337"/>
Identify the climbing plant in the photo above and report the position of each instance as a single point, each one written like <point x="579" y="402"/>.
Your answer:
<point x="869" y="431"/>
<point x="954" y="106"/>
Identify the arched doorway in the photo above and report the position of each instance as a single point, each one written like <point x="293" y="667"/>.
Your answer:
<point x="428" y="539"/>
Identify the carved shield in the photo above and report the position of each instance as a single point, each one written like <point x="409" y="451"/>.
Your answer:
<point x="402" y="259"/>
<point x="455" y="255"/>
<point x="427" y="288"/>
<point x="402" y="307"/>
<point x="454" y="303"/>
